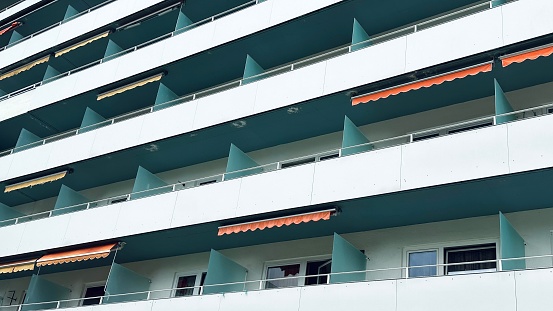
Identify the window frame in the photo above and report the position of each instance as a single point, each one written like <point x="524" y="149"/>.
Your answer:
<point x="302" y="261"/>
<point x="198" y="288"/>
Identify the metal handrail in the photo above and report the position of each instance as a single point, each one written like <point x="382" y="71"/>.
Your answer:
<point x="317" y="157"/>
<point x="261" y="283"/>
<point x="195" y="95"/>
<point x="11" y="6"/>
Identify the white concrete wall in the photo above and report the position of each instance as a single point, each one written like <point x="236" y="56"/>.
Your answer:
<point x="21" y="6"/>
<point x="79" y="26"/>
<point x="394" y="57"/>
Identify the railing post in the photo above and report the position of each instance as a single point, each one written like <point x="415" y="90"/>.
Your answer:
<point x="101" y="300"/>
<point x="148" y="296"/>
<point x="58" y="305"/>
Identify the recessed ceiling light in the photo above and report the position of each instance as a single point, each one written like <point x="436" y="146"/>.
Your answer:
<point x="292" y="110"/>
<point x="239" y="124"/>
<point x="152" y="147"/>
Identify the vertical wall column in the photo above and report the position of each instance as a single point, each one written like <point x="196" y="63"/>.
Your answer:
<point x="346" y="258"/>
<point x="41" y="290"/>
<point x="122" y="280"/>
<point x="221" y="270"/>
<point x="511" y="245"/>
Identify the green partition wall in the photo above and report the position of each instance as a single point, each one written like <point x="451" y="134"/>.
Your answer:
<point x="69" y="197"/>
<point x="346" y="258"/>
<point x="6" y="213"/>
<point x="251" y="69"/>
<point x="164" y="95"/>
<point x="16" y="36"/>
<point x="511" y="245"/>
<point x="497" y="3"/>
<point x="90" y="119"/>
<point x="359" y="37"/>
<point x="147" y="181"/>
<point x="183" y="21"/>
<point x="112" y="48"/>
<point x="25" y="138"/>
<point x="502" y="105"/>
<point x="50" y="72"/>
<point x="42" y="290"/>
<point x="352" y="136"/>
<point x="69" y="12"/>
<point x="221" y="270"/>
<point x="239" y="161"/>
<point x="122" y="280"/>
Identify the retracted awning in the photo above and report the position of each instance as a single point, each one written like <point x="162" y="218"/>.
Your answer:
<point x="276" y="222"/>
<point x="129" y="86"/>
<point x="10" y="27"/>
<point x="82" y="43"/>
<point x="24" y="68"/>
<point x="35" y="181"/>
<point x="17" y="266"/>
<point x="428" y="82"/>
<point x="89" y="253"/>
<point x="531" y="54"/>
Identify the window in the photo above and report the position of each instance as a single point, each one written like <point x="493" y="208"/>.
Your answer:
<point x="188" y="285"/>
<point x="292" y="274"/>
<point x="467" y="254"/>
<point x="423" y="258"/>
<point x="93" y="293"/>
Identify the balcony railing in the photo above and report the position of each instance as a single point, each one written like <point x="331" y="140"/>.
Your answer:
<point x="369" y="275"/>
<point x="321" y="156"/>
<point x="11" y="6"/>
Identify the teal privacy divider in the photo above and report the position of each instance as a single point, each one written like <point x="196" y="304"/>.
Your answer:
<point x="239" y="161"/>
<point x="183" y="21"/>
<point x="497" y="3"/>
<point x="346" y="258"/>
<point x="359" y="35"/>
<point x="122" y="280"/>
<point x="26" y="138"/>
<point x="6" y="213"/>
<point x="16" y="36"/>
<point x="502" y="105"/>
<point x="112" y="48"/>
<point x="164" y="94"/>
<point x="69" y="197"/>
<point x="352" y="136"/>
<point x="42" y="290"/>
<point x="50" y="72"/>
<point x="70" y="11"/>
<point x="147" y="181"/>
<point x="251" y="69"/>
<point x="220" y="270"/>
<point x="90" y="119"/>
<point x="511" y="245"/>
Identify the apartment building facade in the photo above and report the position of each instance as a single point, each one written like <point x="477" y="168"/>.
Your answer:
<point x="276" y="154"/>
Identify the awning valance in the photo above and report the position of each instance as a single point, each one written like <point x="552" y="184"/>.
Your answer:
<point x="35" y="181"/>
<point x="82" y="43"/>
<point x="276" y="222"/>
<point x="526" y="55"/>
<point x="10" y="27"/>
<point x="24" y="68"/>
<point x="458" y="74"/>
<point x="17" y="266"/>
<point x="89" y="253"/>
<point x="129" y="86"/>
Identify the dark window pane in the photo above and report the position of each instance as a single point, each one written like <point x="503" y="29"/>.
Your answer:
<point x="185" y="285"/>
<point x="469" y="254"/>
<point x="289" y="271"/>
<point x="317" y="268"/>
<point x="96" y="291"/>
<point x="423" y="259"/>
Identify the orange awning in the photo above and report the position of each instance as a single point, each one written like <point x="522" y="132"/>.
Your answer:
<point x="458" y="74"/>
<point x="526" y="55"/>
<point x="96" y="252"/>
<point x="276" y="222"/>
<point x="10" y="27"/>
<point x="17" y="266"/>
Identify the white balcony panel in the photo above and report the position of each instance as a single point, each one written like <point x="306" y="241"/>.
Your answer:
<point x="128" y="306"/>
<point x="168" y="122"/>
<point x="95" y="224"/>
<point x="45" y="234"/>
<point x="11" y="238"/>
<point x="286" y="9"/>
<point x="88" y="79"/>
<point x="276" y="190"/>
<point x="63" y="87"/>
<point x="491" y="291"/>
<point x="269" y="300"/>
<point x="358" y="175"/>
<point x="199" y="205"/>
<point x="141" y="60"/>
<point x="456" y="39"/>
<point x="190" y="303"/>
<point x="16" y="105"/>
<point x="29" y="47"/>
<point x="464" y="156"/>
<point x="289" y="88"/>
<point x="146" y="214"/>
<point x="30" y="160"/>
<point x="79" y="145"/>
<point x="379" y="296"/>
<point x="188" y="43"/>
<point x="528" y="145"/>
<point x="117" y="136"/>
<point x="242" y="23"/>
<point x="529" y="18"/>
<point x="21" y="6"/>
<point x="365" y="66"/>
<point x="534" y="290"/>
<point x="75" y="27"/>
<point x="225" y="106"/>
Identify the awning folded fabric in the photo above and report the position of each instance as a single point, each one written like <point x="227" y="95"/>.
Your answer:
<point x="82" y="43"/>
<point x="129" y="86"/>
<point x="428" y="82"/>
<point x="275" y="222"/>
<point x="526" y="55"/>
<point x="19" y="70"/>
<point x="10" y="27"/>
<point x="17" y="266"/>
<point x="90" y="253"/>
<point x="35" y="181"/>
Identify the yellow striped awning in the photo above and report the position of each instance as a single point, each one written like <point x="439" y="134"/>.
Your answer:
<point x="82" y="43"/>
<point x="35" y="181"/>
<point x="129" y="86"/>
<point x="17" y="266"/>
<point x="24" y="68"/>
<point x="89" y="253"/>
